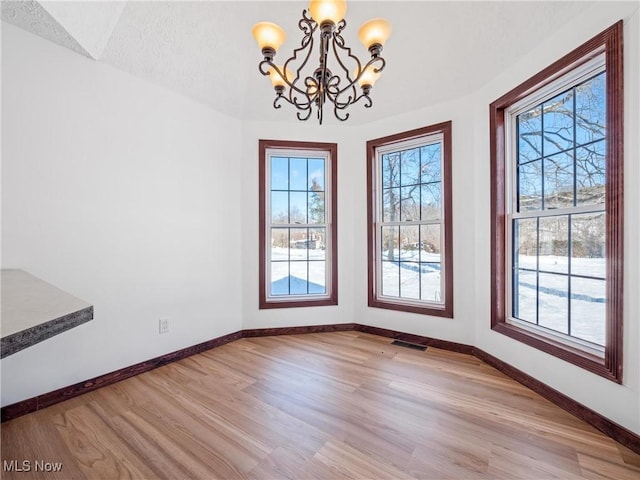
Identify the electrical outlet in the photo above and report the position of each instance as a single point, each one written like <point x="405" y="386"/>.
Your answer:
<point x="163" y="325"/>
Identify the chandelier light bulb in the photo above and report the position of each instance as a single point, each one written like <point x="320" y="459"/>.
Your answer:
<point x="328" y="10"/>
<point x="374" y="32"/>
<point x="268" y="35"/>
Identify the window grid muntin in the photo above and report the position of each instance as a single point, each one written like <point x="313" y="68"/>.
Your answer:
<point x="398" y="148"/>
<point x="269" y="226"/>
<point x="569" y="82"/>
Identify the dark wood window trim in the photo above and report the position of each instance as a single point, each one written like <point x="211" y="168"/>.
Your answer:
<point x="372" y="145"/>
<point x="332" y="298"/>
<point x="608" y="42"/>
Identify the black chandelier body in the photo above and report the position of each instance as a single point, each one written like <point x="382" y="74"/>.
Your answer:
<point x="323" y="86"/>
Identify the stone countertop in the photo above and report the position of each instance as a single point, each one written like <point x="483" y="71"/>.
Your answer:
<point x="34" y="310"/>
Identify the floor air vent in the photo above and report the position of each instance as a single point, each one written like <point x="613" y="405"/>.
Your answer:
<point x="414" y="346"/>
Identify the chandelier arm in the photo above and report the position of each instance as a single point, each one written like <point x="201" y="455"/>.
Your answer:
<point x="377" y="59"/>
<point x="336" y="113"/>
<point x="302" y="107"/>
<point x="306" y="43"/>
<point x="368" y="102"/>
<point x="338" y="42"/>
<point x="372" y="61"/>
<point x="334" y="93"/>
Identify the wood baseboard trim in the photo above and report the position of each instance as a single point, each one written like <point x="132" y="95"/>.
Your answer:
<point x="593" y="418"/>
<point x="44" y="400"/>
<point x="606" y="426"/>
<point x="65" y="393"/>
<point x="419" y="339"/>
<point x="267" y="332"/>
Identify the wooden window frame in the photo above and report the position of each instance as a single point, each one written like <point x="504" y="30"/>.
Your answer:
<point x="608" y="42"/>
<point x="290" y="301"/>
<point x="374" y="300"/>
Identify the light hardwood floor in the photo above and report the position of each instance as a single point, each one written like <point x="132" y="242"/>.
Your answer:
<point x="321" y="406"/>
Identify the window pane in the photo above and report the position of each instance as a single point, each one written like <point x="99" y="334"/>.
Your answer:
<point x="279" y="173"/>
<point x="390" y="265"/>
<point x="430" y="241"/>
<point x="431" y="202"/>
<point x="410" y="280"/>
<point x="558" y="181"/>
<point x="591" y="110"/>
<point x="588" y="245"/>
<point x="390" y="243"/>
<point x="391" y="170"/>
<point x="279" y="207"/>
<point x="431" y="156"/>
<point x="558" y="123"/>
<point x="529" y="135"/>
<point x="298" y="244"/>
<point x="530" y="186"/>
<point x="525" y="296"/>
<point x="430" y="266"/>
<point x="298" y="278"/>
<point x="590" y="173"/>
<point x="391" y="205"/>
<point x="588" y="309"/>
<point x="430" y="283"/>
<point x="318" y="237"/>
<point x="410" y="203"/>
<point x="525" y="241"/>
<point x="279" y="278"/>
<point x="316" y="207"/>
<point x="279" y="244"/>
<point x="553" y="303"/>
<point x="410" y="167"/>
<point x="554" y="244"/>
<point x="317" y="277"/>
<point x="298" y="207"/>
<point x="390" y="279"/>
<point x="316" y="174"/>
<point x="298" y="174"/>
<point x="409" y="243"/>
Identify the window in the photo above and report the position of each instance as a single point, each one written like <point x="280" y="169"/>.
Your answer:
<point x="556" y="148"/>
<point x="298" y="224"/>
<point x="409" y="212"/>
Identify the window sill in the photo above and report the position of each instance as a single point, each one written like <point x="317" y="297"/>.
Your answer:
<point x="413" y="308"/>
<point x="592" y="363"/>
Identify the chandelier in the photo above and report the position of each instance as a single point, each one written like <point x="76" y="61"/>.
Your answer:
<point x="306" y="88"/>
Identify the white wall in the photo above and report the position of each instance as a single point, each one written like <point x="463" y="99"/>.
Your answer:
<point x="123" y="194"/>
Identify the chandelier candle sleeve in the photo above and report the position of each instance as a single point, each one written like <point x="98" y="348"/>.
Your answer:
<point x="374" y="33"/>
<point x="269" y="36"/>
<point x="368" y="76"/>
<point x="277" y="79"/>
<point x="335" y="79"/>
<point x="328" y="10"/>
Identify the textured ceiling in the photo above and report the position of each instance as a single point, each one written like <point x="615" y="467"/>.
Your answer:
<point x="438" y="51"/>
